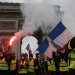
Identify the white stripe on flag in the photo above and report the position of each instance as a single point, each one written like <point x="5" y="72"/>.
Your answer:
<point x="63" y="38"/>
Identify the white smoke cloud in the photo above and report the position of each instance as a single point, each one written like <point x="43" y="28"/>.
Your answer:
<point x="40" y="13"/>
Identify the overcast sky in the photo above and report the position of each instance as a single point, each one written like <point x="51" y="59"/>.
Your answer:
<point x="11" y="1"/>
<point x="54" y="1"/>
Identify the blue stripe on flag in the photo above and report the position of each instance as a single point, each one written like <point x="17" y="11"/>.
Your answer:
<point x="57" y="31"/>
<point x="28" y="47"/>
<point x="43" y="46"/>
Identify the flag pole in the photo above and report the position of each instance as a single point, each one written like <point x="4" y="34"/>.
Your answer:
<point x="34" y="51"/>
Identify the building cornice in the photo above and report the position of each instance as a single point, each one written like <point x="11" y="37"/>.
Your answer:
<point x="10" y="7"/>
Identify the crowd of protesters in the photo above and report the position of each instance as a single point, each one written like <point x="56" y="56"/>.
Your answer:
<point x="61" y="63"/>
<point x="27" y="65"/>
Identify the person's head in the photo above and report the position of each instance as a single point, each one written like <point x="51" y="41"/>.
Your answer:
<point x="37" y="55"/>
<point x="71" y="44"/>
<point x="31" y="56"/>
<point x="26" y="56"/>
<point x="22" y="56"/>
<point x="8" y="55"/>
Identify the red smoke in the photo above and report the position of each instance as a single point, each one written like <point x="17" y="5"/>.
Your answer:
<point x="20" y="34"/>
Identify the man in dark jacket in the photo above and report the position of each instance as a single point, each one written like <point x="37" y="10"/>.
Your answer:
<point x="37" y="64"/>
<point x="57" y="61"/>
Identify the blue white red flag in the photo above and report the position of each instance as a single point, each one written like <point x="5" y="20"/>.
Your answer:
<point x="60" y="35"/>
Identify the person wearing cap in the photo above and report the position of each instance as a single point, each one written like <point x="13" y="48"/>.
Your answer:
<point x="31" y="64"/>
<point x="22" y="65"/>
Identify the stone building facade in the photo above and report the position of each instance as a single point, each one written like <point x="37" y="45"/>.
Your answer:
<point x="11" y="21"/>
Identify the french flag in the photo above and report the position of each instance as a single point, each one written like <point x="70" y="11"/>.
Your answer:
<point x="46" y="48"/>
<point x="60" y="35"/>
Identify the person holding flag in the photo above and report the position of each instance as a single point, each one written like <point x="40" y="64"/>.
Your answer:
<point x="29" y="49"/>
<point x="31" y="70"/>
<point x="31" y="65"/>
